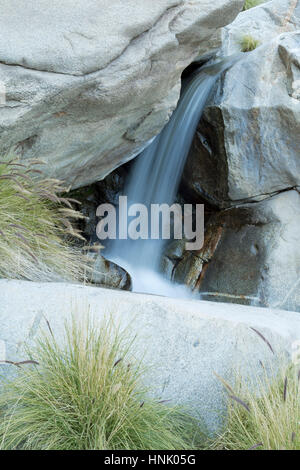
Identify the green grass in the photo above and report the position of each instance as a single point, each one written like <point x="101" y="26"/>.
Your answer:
<point x="248" y="43"/>
<point x="272" y="420"/>
<point x="86" y="393"/>
<point x="36" y="234"/>
<point x="252" y="3"/>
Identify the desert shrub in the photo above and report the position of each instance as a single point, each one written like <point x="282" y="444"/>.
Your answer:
<point x="36" y="233"/>
<point x="86" y="393"/>
<point x="266" y="420"/>
<point x="252" y="3"/>
<point x="248" y="43"/>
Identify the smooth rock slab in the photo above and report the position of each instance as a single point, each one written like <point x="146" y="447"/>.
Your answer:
<point x="185" y="342"/>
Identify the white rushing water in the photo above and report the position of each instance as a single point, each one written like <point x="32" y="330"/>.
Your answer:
<point x="155" y="178"/>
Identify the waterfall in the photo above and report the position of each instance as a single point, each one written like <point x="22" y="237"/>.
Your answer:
<point x="155" y="178"/>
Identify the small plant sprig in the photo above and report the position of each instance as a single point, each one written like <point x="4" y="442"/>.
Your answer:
<point x="248" y="43"/>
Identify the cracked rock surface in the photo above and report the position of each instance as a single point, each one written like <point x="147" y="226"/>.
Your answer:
<point x="89" y="83"/>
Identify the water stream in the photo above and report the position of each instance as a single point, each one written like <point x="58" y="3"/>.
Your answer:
<point x="155" y="178"/>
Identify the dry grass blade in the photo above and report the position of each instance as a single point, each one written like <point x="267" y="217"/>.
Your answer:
<point x="9" y="362"/>
<point x="285" y="388"/>
<point x="19" y="227"/>
<point x="117" y="362"/>
<point x="93" y="248"/>
<point x="19" y="364"/>
<point x="49" y="327"/>
<point x="240" y="402"/>
<point x="224" y="383"/>
<point x="263" y="338"/>
<point x="260" y="444"/>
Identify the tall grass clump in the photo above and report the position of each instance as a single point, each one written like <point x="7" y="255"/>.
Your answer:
<point x="252" y="3"/>
<point x="248" y="43"/>
<point x="266" y="420"/>
<point x="36" y="233"/>
<point x="86" y="394"/>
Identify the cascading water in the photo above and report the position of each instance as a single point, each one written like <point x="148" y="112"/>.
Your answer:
<point x="155" y="178"/>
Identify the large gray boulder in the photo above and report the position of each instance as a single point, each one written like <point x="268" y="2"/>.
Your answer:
<point x="247" y="144"/>
<point x="251" y="255"/>
<point x="88" y="83"/>
<point x="185" y="342"/>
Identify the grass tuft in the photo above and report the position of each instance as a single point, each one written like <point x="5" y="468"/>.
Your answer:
<point x="252" y="3"/>
<point x="86" y="394"/>
<point x="267" y="420"/>
<point x="36" y="234"/>
<point x="248" y="43"/>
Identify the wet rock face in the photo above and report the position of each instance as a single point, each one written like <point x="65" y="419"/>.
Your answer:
<point x="248" y="141"/>
<point x="251" y="255"/>
<point x="87" y="85"/>
<point x="206" y="170"/>
<point x="107" y="274"/>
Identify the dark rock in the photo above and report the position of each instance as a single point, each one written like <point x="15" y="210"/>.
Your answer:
<point x="251" y="255"/>
<point x="108" y="274"/>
